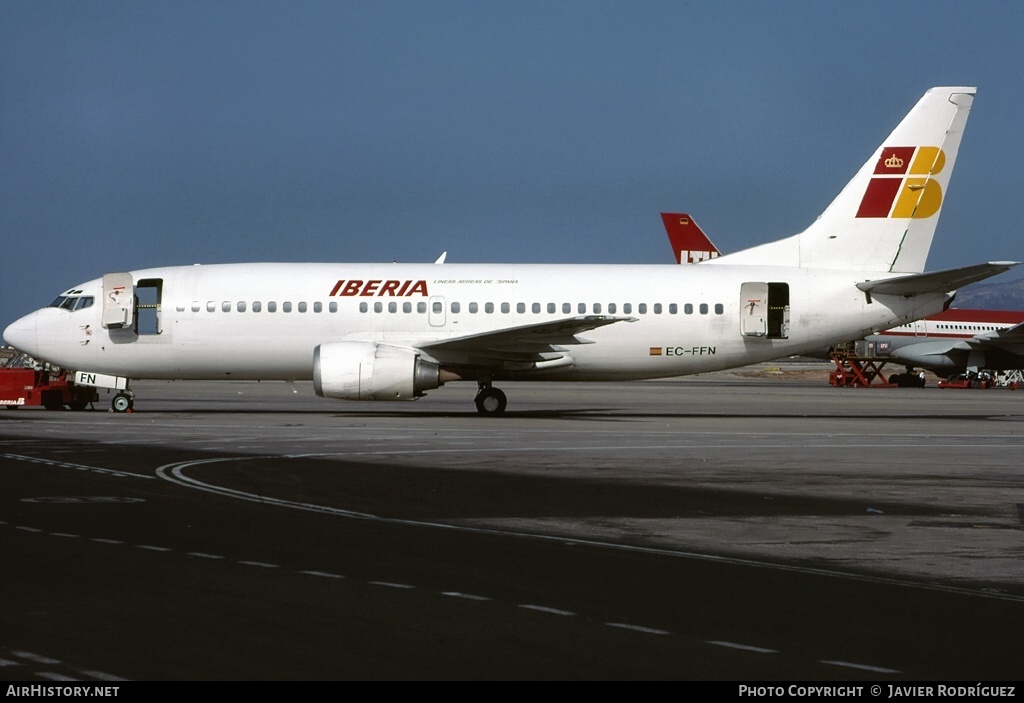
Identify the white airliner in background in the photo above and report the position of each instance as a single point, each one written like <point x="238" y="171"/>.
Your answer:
<point x="957" y="341"/>
<point x="395" y="331"/>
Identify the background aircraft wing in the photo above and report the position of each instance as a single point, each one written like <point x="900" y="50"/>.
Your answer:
<point x="1014" y="335"/>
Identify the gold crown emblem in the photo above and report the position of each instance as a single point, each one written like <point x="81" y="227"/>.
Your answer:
<point x="894" y="162"/>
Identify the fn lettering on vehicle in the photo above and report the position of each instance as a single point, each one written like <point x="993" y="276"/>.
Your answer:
<point x="689" y="351"/>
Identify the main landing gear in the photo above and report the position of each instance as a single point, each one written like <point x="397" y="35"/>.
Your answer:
<point x="489" y="400"/>
<point x="123" y="402"/>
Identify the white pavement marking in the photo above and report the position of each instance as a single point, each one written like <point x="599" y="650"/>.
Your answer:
<point x="76" y="467"/>
<point x="638" y="628"/>
<point x="862" y="667"/>
<point x="388" y="584"/>
<point x="323" y="574"/>
<point x="262" y="564"/>
<point x="203" y="555"/>
<point x="175" y="474"/>
<point x="744" y="647"/>
<point x="545" y="609"/>
<point x="33" y="657"/>
<point x="54" y="676"/>
<point x="152" y="548"/>
<point x="102" y="676"/>
<point x="464" y="596"/>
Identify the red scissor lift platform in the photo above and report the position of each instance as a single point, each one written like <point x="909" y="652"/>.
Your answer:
<point x="853" y="371"/>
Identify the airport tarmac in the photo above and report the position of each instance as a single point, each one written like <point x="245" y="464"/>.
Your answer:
<point x="714" y="510"/>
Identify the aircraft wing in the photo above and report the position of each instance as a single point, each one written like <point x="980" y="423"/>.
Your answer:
<point x="936" y="281"/>
<point x="528" y="344"/>
<point x="1013" y="335"/>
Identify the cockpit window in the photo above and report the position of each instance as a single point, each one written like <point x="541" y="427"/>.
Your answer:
<point x="72" y="302"/>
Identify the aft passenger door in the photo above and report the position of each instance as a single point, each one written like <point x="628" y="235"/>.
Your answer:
<point x="764" y="310"/>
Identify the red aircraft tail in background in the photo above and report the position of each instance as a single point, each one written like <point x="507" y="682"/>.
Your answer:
<point x="689" y="243"/>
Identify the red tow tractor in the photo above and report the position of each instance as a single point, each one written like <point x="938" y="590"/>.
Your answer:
<point x="23" y="386"/>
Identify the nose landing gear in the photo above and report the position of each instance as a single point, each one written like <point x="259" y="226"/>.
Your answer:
<point x="123" y="402"/>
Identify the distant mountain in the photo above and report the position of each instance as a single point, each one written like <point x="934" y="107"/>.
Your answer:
<point x="992" y="296"/>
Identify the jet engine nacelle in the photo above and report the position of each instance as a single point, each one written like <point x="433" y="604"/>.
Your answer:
<point x="370" y="371"/>
<point x="938" y="356"/>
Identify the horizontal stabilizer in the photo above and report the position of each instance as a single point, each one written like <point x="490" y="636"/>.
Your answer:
<point x="936" y="281"/>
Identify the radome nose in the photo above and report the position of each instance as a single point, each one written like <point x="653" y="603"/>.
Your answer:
<point x="21" y="334"/>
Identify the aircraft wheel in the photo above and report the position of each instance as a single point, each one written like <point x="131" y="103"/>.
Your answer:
<point x="490" y="401"/>
<point x="78" y="405"/>
<point x="122" y="403"/>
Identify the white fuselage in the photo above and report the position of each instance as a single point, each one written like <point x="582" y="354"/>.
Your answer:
<point x="263" y="321"/>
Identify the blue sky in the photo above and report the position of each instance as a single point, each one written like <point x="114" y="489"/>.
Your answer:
<point x="144" y="133"/>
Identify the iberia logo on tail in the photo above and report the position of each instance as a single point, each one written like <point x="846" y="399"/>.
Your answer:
<point x="903" y="184"/>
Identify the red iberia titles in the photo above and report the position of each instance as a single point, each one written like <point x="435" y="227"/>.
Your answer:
<point x="380" y="288"/>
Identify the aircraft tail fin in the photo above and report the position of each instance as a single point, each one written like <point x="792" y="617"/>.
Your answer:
<point x="885" y="217"/>
<point x="689" y="243"/>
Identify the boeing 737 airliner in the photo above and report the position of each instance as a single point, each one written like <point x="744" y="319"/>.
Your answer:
<point x="396" y="331"/>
